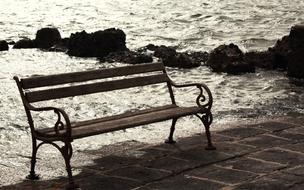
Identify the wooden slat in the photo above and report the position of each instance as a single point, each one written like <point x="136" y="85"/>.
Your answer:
<point x="131" y="121"/>
<point x="114" y="117"/>
<point x="50" y="80"/>
<point x="63" y="92"/>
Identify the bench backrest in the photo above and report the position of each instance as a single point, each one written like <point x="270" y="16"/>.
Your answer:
<point x="156" y="73"/>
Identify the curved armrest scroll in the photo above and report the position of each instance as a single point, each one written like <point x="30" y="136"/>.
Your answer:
<point x="59" y="125"/>
<point x="201" y="100"/>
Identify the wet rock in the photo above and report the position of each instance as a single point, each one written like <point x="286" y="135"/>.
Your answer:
<point x="229" y="59"/>
<point x="47" y="37"/>
<point x="171" y="58"/>
<point x="180" y="60"/>
<point x="164" y="52"/>
<point x="263" y="59"/>
<point x="97" y="44"/>
<point x="130" y="57"/>
<point x="296" y="37"/>
<point x="3" y="45"/>
<point x="25" y="43"/>
<point x="199" y="56"/>
<point x="11" y="43"/>
<point x="296" y="64"/>
<point x="296" y="53"/>
<point x="60" y="46"/>
<point x="280" y="53"/>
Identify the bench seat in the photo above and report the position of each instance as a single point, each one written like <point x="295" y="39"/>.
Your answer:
<point x="123" y="121"/>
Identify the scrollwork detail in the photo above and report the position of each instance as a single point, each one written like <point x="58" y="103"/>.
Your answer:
<point x="59" y="124"/>
<point x="200" y="98"/>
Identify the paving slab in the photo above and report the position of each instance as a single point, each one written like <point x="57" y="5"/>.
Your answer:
<point x="297" y="147"/>
<point x="182" y="182"/>
<point x="293" y="136"/>
<point x="202" y="157"/>
<point x="139" y="173"/>
<point x="298" y="171"/>
<point x="280" y="156"/>
<point x="263" y="184"/>
<point x="265" y="141"/>
<point x="242" y="132"/>
<point x="235" y="148"/>
<point x="267" y="155"/>
<point x="273" y="126"/>
<point x="251" y="165"/>
<point x="171" y="164"/>
<point x="220" y="174"/>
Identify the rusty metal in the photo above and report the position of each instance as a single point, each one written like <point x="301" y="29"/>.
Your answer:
<point x="66" y="150"/>
<point x="172" y="129"/>
<point x="205" y="102"/>
<point x="206" y="119"/>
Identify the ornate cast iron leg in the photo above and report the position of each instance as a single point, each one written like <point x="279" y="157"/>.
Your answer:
<point x="33" y="175"/>
<point x="67" y="152"/>
<point x="207" y="120"/>
<point x="170" y="138"/>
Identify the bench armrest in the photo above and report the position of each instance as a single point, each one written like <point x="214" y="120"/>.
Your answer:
<point x="201" y="100"/>
<point x="59" y="125"/>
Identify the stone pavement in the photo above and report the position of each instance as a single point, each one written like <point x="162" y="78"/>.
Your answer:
<point x="267" y="155"/>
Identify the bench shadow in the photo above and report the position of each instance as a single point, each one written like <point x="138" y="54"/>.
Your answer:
<point x="133" y="167"/>
<point x="125" y="169"/>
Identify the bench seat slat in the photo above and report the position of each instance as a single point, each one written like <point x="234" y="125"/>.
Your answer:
<point x="88" y="129"/>
<point x="63" y="92"/>
<point x="108" y="118"/>
<point x="64" y="78"/>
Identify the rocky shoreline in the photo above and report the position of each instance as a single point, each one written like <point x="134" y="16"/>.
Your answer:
<point x="109" y="45"/>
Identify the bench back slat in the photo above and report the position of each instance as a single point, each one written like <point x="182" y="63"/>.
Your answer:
<point x="50" y="80"/>
<point x="62" y="92"/>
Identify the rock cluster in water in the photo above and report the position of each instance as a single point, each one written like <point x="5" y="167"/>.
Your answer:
<point x="286" y="55"/>
<point x="229" y="59"/>
<point x="110" y="46"/>
<point x="96" y="44"/>
<point x="45" y="39"/>
<point x="3" y="45"/>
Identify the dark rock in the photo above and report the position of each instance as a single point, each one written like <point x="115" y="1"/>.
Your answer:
<point x="171" y="58"/>
<point x="199" y="57"/>
<point x="151" y="47"/>
<point x="296" y="52"/>
<point x="164" y="52"/>
<point x="296" y="37"/>
<point x="11" y="43"/>
<point x="229" y="59"/>
<point x="25" y="43"/>
<point x="280" y="53"/>
<point x="131" y="57"/>
<point x="47" y="37"/>
<point x="181" y="60"/>
<point x="263" y="59"/>
<point x="287" y="52"/>
<point x="3" y="45"/>
<point x="60" y="46"/>
<point x="97" y="44"/>
<point x="296" y="64"/>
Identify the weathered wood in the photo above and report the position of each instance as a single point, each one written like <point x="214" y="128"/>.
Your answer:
<point x="50" y="80"/>
<point x="84" y="89"/>
<point x="119" y="123"/>
<point x="114" y="117"/>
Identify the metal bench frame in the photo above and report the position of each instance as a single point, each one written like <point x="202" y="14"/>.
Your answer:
<point x="63" y="129"/>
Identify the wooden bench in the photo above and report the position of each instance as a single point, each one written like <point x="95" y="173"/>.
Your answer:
<point x="76" y="84"/>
